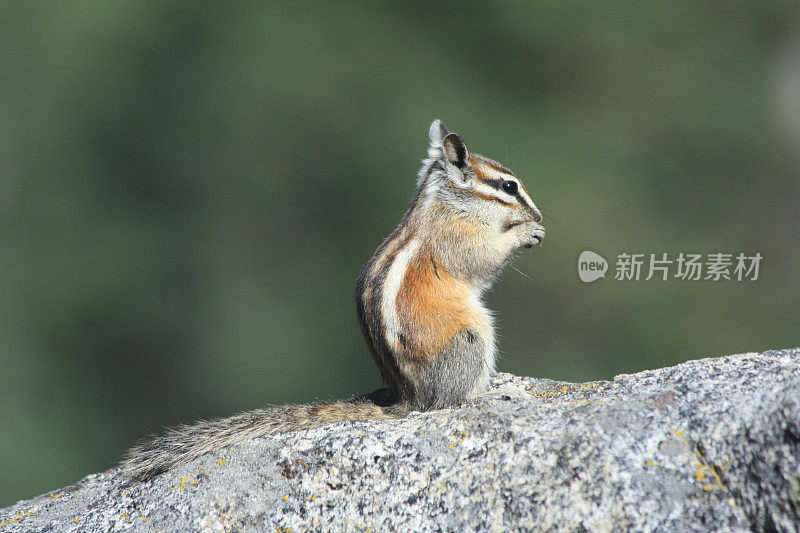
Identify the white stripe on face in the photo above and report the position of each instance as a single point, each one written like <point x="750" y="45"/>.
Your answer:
<point x="487" y="190"/>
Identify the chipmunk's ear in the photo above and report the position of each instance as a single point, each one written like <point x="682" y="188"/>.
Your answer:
<point x="437" y="132"/>
<point x="447" y="153"/>
<point x="455" y="150"/>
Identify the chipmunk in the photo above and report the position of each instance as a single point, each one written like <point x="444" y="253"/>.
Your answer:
<point x="418" y="301"/>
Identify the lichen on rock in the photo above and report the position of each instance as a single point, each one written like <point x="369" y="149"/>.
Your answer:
<point x="711" y="444"/>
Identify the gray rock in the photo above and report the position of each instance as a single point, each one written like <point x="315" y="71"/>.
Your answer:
<point x="712" y="444"/>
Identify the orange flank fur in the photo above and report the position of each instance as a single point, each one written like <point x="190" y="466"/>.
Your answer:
<point x="432" y="306"/>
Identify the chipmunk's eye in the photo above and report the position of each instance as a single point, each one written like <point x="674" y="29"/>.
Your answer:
<point x="510" y="187"/>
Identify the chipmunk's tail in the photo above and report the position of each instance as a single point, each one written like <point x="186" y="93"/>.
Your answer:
<point x="185" y="443"/>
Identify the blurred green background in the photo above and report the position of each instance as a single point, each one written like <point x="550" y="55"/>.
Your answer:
<point x="189" y="190"/>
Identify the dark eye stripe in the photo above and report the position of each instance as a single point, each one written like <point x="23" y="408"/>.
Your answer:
<point x="509" y="187"/>
<point x="495" y="184"/>
<point x="498" y="183"/>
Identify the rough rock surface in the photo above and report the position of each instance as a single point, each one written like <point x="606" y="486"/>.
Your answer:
<point x="712" y="444"/>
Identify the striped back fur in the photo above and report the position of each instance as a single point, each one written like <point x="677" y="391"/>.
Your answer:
<point x="424" y="283"/>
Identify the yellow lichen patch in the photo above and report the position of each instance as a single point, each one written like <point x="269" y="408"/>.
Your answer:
<point x="53" y="495"/>
<point x="221" y="461"/>
<point x="18" y="517"/>
<point x="192" y="479"/>
<point x="454" y="443"/>
<point x="650" y="462"/>
<point x="710" y="472"/>
<point x="678" y="433"/>
<point x="700" y="474"/>
<point x="285" y="497"/>
<point x="707" y="473"/>
<point x="77" y="520"/>
<point x="563" y="389"/>
<point x="544" y="394"/>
